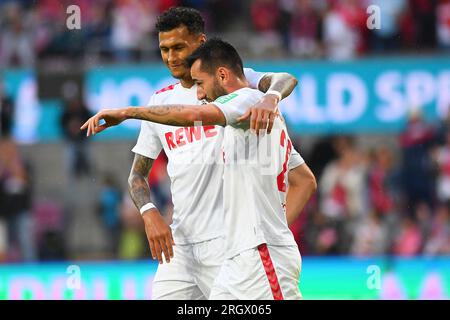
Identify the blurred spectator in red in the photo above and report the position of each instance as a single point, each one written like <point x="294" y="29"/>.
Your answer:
<point x="343" y="183"/>
<point x="304" y="30"/>
<point x="355" y="16"/>
<point x="132" y="23"/>
<point x="443" y="24"/>
<point x="343" y="29"/>
<point x="265" y="15"/>
<point x="409" y="240"/>
<point x="52" y="10"/>
<point x="343" y="190"/>
<point x="417" y="175"/>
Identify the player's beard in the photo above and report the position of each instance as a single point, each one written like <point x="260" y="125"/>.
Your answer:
<point x="217" y="91"/>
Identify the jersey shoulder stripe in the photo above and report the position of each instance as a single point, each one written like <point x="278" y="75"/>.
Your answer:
<point x="168" y="88"/>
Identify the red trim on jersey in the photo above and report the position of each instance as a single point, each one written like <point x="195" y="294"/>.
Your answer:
<point x="167" y="88"/>
<point x="270" y="272"/>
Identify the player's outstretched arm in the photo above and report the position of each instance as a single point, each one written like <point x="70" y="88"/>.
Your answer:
<point x="179" y="115"/>
<point x="174" y="115"/>
<point x="111" y="117"/>
<point x="278" y="86"/>
<point x="159" y="234"/>
<point x="302" y="184"/>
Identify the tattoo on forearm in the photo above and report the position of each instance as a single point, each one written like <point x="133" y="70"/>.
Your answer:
<point x="264" y="83"/>
<point x="164" y="110"/>
<point x="137" y="182"/>
<point x="281" y="82"/>
<point x="154" y="114"/>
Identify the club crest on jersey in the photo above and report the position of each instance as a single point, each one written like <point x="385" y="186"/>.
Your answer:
<point x="187" y="135"/>
<point x="228" y="97"/>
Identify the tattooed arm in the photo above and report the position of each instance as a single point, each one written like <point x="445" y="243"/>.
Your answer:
<point x="137" y="181"/>
<point x="262" y="114"/>
<point x="174" y="115"/>
<point x="159" y="234"/>
<point x="179" y="115"/>
<point x="281" y="82"/>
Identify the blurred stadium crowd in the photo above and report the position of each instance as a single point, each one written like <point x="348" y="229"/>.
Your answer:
<point x="382" y="201"/>
<point x="389" y="200"/>
<point x="35" y="32"/>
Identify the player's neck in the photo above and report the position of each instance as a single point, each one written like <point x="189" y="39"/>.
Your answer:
<point x="236" y="85"/>
<point x="187" y="83"/>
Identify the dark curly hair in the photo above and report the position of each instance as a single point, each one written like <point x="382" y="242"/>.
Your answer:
<point x="178" y="16"/>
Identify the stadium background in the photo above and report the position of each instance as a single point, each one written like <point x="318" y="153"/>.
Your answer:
<point x="370" y="116"/>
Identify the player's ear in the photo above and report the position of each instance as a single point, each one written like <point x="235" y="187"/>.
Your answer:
<point x="222" y="74"/>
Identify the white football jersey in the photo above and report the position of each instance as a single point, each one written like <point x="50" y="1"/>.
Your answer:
<point x="255" y="177"/>
<point x="195" y="166"/>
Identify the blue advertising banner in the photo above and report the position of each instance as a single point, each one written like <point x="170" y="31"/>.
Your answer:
<point x="373" y="95"/>
<point x="365" y="96"/>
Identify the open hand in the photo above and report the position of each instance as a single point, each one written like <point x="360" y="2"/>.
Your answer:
<point x="112" y="117"/>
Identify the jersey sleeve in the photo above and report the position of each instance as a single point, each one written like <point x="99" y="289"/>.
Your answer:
<point x="148" y="143"/>
<point x="253" y="77"/>
<point x="295" y="159"/>
<point x="235" y="104"/>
